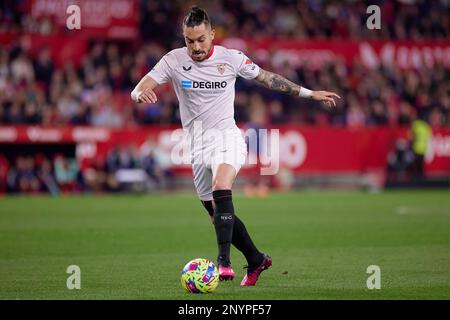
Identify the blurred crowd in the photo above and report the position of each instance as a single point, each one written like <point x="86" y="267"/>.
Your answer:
<point x="33" y="91"/>
<point x="401" y="19"/>
<point x="38" y="173"/>
<point x="301" y="19"/>
<point x="125" y="168"/>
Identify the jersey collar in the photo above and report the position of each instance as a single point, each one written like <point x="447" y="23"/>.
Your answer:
<point x="210" y="52"/>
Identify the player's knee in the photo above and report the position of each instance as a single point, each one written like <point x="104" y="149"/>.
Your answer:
<point x="221" y="184"/>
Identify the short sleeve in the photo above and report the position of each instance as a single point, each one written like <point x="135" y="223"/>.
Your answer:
<point x="245" y="67"/>
<point x="161" y="72"/>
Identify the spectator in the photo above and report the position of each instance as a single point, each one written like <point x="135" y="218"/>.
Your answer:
<point x="66" y="173"/>
<point x="96" y="177"/>
<point x="421" y="134"/>
<point x="406" y="114"/>
<point x="43" y="67"/>
<point x="4" y="168"/>
<point x="276" y="113"/>
<point x="22" y="69"/>
<point x="46" y="177"/>
<point x="22" y="177"/>
<point x="256" y="184"/>
<point x="400" y="161"/>
<point x="157" y="163"/>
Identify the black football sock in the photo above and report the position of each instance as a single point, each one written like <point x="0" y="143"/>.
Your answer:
<point x="243" y="242"/>
<point x="223" y="223"/>
<point x="209" y="207"/>
<point x="241" y="239"/>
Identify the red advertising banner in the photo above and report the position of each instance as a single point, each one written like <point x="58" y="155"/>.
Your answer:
<point x="301" y="149"/>
<point x="64" y="50"/>
<point x="70" y="46"/>
<point x="102" y="18"/>
<point x="314" y="53"/>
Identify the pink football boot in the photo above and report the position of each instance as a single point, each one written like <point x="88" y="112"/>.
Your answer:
<point x="226" y="273"/>
<point x="251" y="278"/>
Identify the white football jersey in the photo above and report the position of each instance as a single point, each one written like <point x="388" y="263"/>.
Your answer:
<point x="205" y="89"/>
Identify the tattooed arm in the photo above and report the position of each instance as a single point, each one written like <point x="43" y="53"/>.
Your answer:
<point x="279" y="83"/>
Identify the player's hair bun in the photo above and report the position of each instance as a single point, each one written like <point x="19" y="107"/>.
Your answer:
<point x="196" y="17"/>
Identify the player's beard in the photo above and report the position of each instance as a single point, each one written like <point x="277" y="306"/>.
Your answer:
<point x="202" y="56"/>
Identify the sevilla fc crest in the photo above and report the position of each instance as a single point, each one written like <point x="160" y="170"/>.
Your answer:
<point x="221" y="68"/>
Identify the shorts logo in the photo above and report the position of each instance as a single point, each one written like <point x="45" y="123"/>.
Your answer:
<point x="248" y="61"/>
<point x="221" y="68"/>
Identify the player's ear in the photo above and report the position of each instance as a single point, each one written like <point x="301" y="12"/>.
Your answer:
<point x="213" y="32"/>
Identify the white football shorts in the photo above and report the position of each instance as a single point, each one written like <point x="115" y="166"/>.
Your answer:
<point x="231" y="150"/>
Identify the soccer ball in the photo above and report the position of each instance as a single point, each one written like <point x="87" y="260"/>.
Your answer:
<point x="200" y="276"/>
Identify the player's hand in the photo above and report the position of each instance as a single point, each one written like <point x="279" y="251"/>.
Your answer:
<point x="147" y="96"/>
<point x="328" y="98"/>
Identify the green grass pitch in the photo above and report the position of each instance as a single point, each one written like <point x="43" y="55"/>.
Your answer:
<point x="134" y="247"/>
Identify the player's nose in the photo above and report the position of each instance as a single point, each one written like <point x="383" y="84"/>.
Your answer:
<point x="196" y="46"/>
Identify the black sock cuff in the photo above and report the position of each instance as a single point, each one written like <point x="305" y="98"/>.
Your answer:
<point x="222" y="195"/>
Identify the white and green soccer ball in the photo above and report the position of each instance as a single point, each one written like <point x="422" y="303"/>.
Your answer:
<point x="200" y="276"/>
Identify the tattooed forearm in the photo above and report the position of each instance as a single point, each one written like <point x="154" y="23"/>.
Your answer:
<point x="278" y="83"/>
